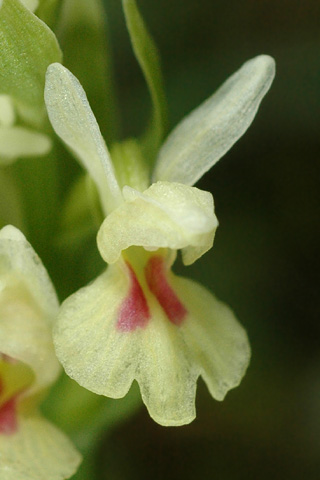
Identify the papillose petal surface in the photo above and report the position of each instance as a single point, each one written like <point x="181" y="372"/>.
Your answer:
<point x="38" y="451"/>
<point x="72" y="119"/>
<point x="149" y="325"/>
<point x="166" y="215"/>
<point x="28" y="306"/>
<point x="208" y="132"/>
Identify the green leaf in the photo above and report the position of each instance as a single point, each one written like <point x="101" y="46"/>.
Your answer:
<point x="28" y="46"/>
<point x="148" y="58"/>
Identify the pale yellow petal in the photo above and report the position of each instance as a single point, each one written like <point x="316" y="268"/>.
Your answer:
<point x="28" y="306"/>
<point x="166" y="215"/>
<point x="72" y="119"/>
<point x="166" y="354"/>
<point x="17" y="142"/>
<point x="92" y="350"/>
<point x="208" y="132"/>
<point x="37" y="451"/>
<point x="216" y="342"/>
<point x="105" y="359"/>
<point x="166" y="375"/>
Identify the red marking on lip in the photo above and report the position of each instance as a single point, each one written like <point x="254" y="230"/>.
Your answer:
<point x="166" y="296"/>
<point x="134" y="310"/>
<point x="8" y="417"/>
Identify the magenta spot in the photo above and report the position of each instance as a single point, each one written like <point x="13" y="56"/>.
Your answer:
<point x="8" y="417"/>
<point x="166" y="296"/>
<point x="134" y="311"/>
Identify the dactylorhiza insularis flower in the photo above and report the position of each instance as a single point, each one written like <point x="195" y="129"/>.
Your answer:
<point x="138" y="320"/>
<point x="30" y="446"/>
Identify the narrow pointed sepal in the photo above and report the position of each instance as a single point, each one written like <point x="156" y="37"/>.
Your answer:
<point x="37" y="451"/>
<point x="72" y="119"/>
<point x="150" y="326"/>
<point x="208" y="132"/>
<point x="166" y="215"/>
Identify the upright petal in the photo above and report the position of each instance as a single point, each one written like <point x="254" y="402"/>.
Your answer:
<point x="166" y="215"/>
<point x="206" y="134"/>
<point x="37" y="451"/>
<point x="72" y="119"/>
<point x="28" y="305"/>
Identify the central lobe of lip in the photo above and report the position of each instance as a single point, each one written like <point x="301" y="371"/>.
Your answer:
<point x="134" y="311"/>
<point x="166" y="296"/>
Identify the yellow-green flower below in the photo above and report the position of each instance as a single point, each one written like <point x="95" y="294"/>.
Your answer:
<point x="30" y="446"/>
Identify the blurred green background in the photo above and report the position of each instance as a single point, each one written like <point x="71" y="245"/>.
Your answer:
<point x="265" y="260"/>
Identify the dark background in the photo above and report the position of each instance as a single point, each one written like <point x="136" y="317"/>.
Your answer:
<point x="265" y="259"/>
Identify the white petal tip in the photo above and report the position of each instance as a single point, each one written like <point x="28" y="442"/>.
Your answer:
<point x="10" y="232"/>
<point x="264" y="64"/>
<point x="54" y="66"/>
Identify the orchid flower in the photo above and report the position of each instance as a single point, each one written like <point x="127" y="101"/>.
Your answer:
<point x="138" y="320"/>
<point x="30" y="446"/>
<point x="17" y="141"/>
